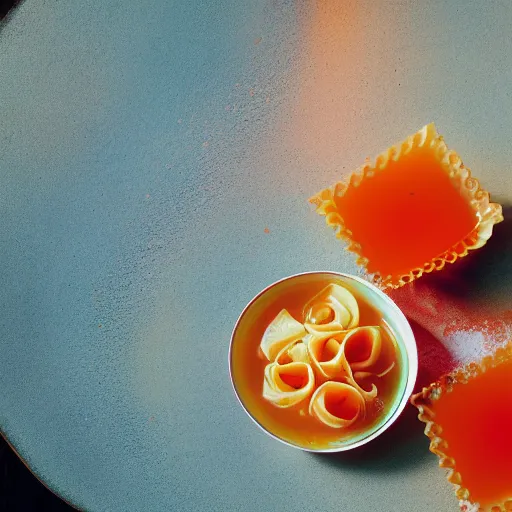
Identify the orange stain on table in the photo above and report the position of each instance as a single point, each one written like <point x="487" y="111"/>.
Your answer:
<point x="441" y="305"/>
<point x="329" y="80"/>
<point x="494" y="324"/>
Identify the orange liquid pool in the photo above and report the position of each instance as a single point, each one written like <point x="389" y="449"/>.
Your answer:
<point x="407" y="214"/>
<point x="476" y="419"/>
<point x="294" y="424"/>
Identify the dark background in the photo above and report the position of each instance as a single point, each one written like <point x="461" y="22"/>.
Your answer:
<point x="6" y="5"/>
<point x="19" y="489"/>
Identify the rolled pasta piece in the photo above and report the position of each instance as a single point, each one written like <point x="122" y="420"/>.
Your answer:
<point x="296" y="351"/>
<point x="331" y="311"/>
<point x="282" y="331"/>
<point x="337" y="404"/>
<point x="329" y="361"/>
<point x="327" y="357"/>
<point x="288" y="384"/>
<point x="370" y="354"/>
<point x="363" y="347"/>
<point x="366" y="375"/>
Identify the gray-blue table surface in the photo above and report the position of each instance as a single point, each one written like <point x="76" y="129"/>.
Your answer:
<point x="155" y="164"/>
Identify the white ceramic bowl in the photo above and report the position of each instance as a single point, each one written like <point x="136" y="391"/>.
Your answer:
<point x="391" y="314"/>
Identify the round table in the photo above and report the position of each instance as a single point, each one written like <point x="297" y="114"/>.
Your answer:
<point x="155" y="165"/>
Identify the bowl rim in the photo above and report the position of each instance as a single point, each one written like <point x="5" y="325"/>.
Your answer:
<point x="411" y="355"/>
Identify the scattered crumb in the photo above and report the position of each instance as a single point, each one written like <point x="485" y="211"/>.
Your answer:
<point x="100" y="326"/>
<point x="251" y="92"/>
<point x="266" y="230"/>
<point x="379" y="405"/>
<point x="257" y="40"/>
<point x="467" y="506"/>
<point x="267" y="99"/>
<point x="147" y="196"/>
